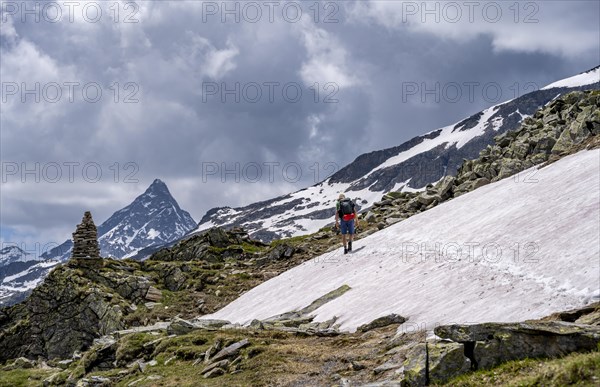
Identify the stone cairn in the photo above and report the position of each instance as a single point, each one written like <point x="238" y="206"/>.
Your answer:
<point x="85" y="239"/>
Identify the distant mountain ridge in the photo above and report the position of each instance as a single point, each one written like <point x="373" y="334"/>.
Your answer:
<point x="410" y="166"/>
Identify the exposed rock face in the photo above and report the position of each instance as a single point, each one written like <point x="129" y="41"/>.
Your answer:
<point x="85" y="239"/>
<point x="76" y="304"/>
<point x="435" y="362"/>
<point x="589" y="315"/>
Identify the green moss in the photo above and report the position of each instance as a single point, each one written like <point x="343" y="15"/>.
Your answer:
<point x="291" y="241"/>
<point x="244" y="248"/>
<point x="217" y="250"/>
<point x="132" y="346"/>
<point x="250" y="248"/>
<point x="193" y="343"/>
<point x="24" y="377"/>
<point x="242" y="276"/>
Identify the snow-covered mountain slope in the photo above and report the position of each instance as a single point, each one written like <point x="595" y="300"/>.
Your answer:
<point x="586" y="78"/>
<point x="153" y="218"/>
<point x="410" y="166"/>
<point x="18" y="279"/>
<point x="10" y="254"/>
<point x="508" y="251"/>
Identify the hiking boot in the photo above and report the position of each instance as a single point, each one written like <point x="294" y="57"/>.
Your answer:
<point x="345" y="250"/>
<point x="350" y="246"/>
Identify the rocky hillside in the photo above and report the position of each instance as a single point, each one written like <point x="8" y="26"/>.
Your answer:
<point x="294" y="351"/>
<point x="152" y="219"/>
<point x="408" y="167"/>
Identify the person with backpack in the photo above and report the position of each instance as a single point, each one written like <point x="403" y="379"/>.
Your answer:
<point x="346" y="219"/>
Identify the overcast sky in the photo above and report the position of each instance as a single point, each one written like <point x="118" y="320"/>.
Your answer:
<point x="185" y="91"/>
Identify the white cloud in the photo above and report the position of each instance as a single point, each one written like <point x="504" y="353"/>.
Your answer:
<point x="313" y="124"/>
<point x="327" y="58"/>
<point x="7" y="28"/>
<point x="220" y="62"/>
<point x="28" y="73"/>
<point x="200" y="56"/>
<point x="548" y="27"/>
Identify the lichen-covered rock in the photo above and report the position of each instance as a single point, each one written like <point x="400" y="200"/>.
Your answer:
<point x="210" y="323"/>
<point x="101" y="356"/>
<point x="371" y="217"/>
<point x="214" y="373"/>
<point x="446" y="360"/>
<point x="180" y="326"/>
<point x="511" y="167"/>
<point x="174" y="279"/>
<point x="281" y="251"/>
<point x="445" y="185"/>
<point x="219" y="364"/>
<point x="20" y="362"/>
<point x="415" y="366"/>
<point x="230" y="351"/>
<point x="382" y="322"/>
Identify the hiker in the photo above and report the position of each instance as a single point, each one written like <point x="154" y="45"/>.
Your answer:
<point x="345" y="216"/>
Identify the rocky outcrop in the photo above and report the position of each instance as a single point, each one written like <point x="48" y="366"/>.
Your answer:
<point x="212" y="245"/>
<point x="589" y="315"/>
<point x="465" y="348"/>
<point x="78" y="302"/>
<point x="75" y="304"/>
<point x="382" y="322"/>
<point x="488" y="345"/>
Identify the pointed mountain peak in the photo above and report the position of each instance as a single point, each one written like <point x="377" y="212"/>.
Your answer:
<point x="158" y="187"/>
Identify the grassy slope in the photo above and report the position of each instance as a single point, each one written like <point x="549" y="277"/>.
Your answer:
<point x="573" y="370"/>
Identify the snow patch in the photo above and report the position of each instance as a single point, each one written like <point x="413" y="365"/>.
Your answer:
<point x="152" y="234"/>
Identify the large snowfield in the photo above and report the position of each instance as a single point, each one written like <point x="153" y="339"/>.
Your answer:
<point x="517" y="249"/>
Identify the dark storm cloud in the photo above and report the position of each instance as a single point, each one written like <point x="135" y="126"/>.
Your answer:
<point x="174" y="58"/>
